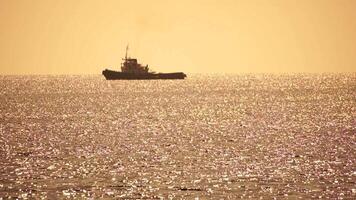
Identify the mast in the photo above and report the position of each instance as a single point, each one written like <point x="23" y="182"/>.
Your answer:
<point x="127" y="49"/>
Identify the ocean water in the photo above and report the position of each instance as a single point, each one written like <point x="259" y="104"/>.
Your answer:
<point x="206" y="137"/>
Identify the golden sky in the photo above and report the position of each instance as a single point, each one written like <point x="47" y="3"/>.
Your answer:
<point x="204" y="36"/>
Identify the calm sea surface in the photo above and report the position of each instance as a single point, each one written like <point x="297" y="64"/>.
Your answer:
<point x="235" y="136"/>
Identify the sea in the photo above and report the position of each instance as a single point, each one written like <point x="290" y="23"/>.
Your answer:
<point x="216" y="136"/>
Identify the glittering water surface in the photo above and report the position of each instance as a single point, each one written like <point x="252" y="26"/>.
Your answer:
<point x="237" y="136"/>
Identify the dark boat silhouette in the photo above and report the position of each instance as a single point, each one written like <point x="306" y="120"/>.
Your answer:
<point x="132" y="70"/>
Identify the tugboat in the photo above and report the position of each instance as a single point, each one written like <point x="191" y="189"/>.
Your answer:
<point x="132" y="70"/>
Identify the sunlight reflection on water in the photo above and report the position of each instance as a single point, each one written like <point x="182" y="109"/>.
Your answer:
<point x="236" y="136"/>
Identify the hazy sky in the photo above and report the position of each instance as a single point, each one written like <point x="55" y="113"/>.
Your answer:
<point x="228" y="36"/>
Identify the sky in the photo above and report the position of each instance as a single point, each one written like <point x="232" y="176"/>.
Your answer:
<point x="193" y="36"/>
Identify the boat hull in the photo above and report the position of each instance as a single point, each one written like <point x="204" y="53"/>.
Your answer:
<point x="115" y="75"/>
